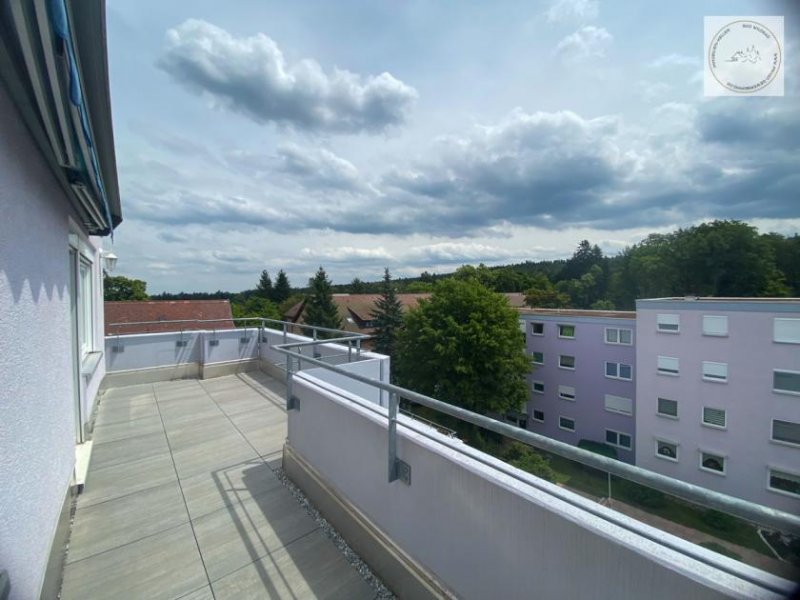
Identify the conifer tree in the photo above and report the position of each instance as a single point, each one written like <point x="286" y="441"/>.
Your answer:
<point x="320" y="309"/>
<point x="264" y="287"/>
<point x="282" y="289"/>
<point x="388" y="316"/>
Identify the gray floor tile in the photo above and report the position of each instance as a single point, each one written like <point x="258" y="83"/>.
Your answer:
<point x="119" y="431"/>
<point x="201" y="594"/>
<point x="129" y="391"/>
<point x="310" y="567"/>
<point x="208" y="492"/>
<point x="166" y="565"/>
<point x="108" y="414"/>
<point x="118" y="522"/>
<point x="121" y="480"/>
<point x="239" y="401"/>
<point x="109" y="454"/>
<point x="181" y="412"/>
<point x="260" y="417"/>
<point x="268" y="439"/>
<point x="237" y="535"/>
<point x="212" y="455"/>
<point x="196" y="432"/>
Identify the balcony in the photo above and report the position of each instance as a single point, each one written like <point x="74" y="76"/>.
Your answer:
<point x="185" y="494"/>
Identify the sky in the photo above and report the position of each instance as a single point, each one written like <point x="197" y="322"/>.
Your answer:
<point x="419" y="136"/>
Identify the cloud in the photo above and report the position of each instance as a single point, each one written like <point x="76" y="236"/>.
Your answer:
<point x="319" y="168"/>
<point x="458" y="252"/>
<point x="569" y="10"/>
<point x="250" y="76"/>
<point x="674" y="60"/>
<point x="347" y="254"/>
<point x="587" y="43"/>
<point x="172" y="237"/>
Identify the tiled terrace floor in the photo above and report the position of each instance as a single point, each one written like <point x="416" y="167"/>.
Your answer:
<point x="181" y="501"/>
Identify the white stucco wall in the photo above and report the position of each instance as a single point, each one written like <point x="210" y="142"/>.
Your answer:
<point x="36" y="389"/>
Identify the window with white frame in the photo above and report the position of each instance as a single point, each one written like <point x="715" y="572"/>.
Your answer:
<point x="618" y="404"/>
<point x="566" y="392"/>
<point x="668" y="365"/>
<point x="666" y="449"/>
<point x="715" y="417"/>
<point x="566" y="423"/>
<point x="786" y="331"/>
<point x="615" y="370"/>
<point x="566" y="362"/>
<point x="566" y="331"/>
<point x="538" y="387"/>
<point x="710" y="461"/>
<point x="538" y="415"/>
<point x="786" y="382"/>
<point x="86" y="299"/>
<point x="667" y="408"/>
<point x="537" y="358"/>
<point x="618" y="439"/>
<point x="784" y="482"/>
<point x="715" y="325"/>
<point x="620" y="336"/>
<point x="668" y="323"/>
<point x="715" y="371"/>
<point x="537" y="328"/>
<point x="786" y="432"/>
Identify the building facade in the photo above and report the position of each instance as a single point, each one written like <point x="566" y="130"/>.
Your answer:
<point x="718" y="395"/>
<point x="582" y="384"/>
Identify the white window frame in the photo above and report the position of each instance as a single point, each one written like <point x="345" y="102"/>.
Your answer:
<point x="705" y="423"/>
<point x="618" y="445"/>
<point x="713" y="454"/>
<point x="781" y="391"/>
<point x="783" y="471"/>
<point x="86" y="303"/>
<point x="533" y="357"/>
<point x="615" y="410"/>
<point x="536" y="382"/>
<point x="783" y="442"/>
<point x="566" y="428"/>
<point x="674" y="417"/>
<point x="668" y="373"/>
<point x="534" y="323"/>
<point x="778" y="338"/>
<point x="713" y="378"/>
<point x="671" y="443"/>
<point x="565" y="394"/>
<point x="533" y="415"/>
<point x="708" y="319"/>
<point x="618" y="331"/>
<point x="664" y="323"/>
<point x="574" y="362"/>
<point x="618" y="369"/>
<point x="566" y="337"/>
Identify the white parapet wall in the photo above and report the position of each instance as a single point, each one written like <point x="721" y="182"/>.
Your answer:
<point x="468" y="529"/>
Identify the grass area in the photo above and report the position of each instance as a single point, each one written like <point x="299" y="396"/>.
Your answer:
<point x="720" y="549"/>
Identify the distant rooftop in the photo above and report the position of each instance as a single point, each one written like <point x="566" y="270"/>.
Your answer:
<point x="721" y="299"/>
<point x="138" y="313"/>
<point x="571" y="312"/>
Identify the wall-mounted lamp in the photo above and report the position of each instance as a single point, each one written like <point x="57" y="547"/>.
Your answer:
<point x="109" y="261"/>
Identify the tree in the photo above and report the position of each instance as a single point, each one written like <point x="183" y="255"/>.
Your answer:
<point x="119" y="288"/>
<point x="264" y="288"/>
<point x="320" y="309"/>
<point x="388" y="317"/>
<point x="357" y="286"/>
<point x="463" y="346"/>
<point x="544" y="295"/>
<point x="282" y="289"/>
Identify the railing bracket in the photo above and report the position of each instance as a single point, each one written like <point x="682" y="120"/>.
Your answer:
<point x="402" y="471"/>
<point x="293" y="403"/>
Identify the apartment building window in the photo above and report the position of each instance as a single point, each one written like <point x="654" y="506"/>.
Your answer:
<point x="712" y="462"/>
<point x="668" y="323"/>
<point x="566" y="362"/>
<point x="537" y="358"/>
<point x="667" y="408"/>
<point x="715" y="325"/>
<point x="667" y="450"/>
<point x="619" y="336"/>
<point x="786" y="432"/>
<point x="618" y="404"/>
<point x="786" y="331"/>
<point x="566" y="331"/>
<point x="618" y="439"/>
<point x="786" y="382"/>
<point x="616" y="370"/>
<point x="715" y="417"/>
<point x="715" y="371"/>
<point x="538" y="415"/>
<point x="784" y="482"/>
<point x="537" y="328"/>
<point x="566" y="423"/>
<point x="566" y="392"/>
<point x="668" y="365"/>
<point x="538" y="387"/>
<point x="86" y="297"/>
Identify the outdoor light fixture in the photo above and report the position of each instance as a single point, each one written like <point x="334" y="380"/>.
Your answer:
<point x="109" y="261"/>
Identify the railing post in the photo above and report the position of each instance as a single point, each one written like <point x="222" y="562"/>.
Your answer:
<point x="358" y="349"/>
<point x="284" y="332"/>
<point x="349" y="351"/>
<point x="397" y="468"/>
<point x="291" y="401"/>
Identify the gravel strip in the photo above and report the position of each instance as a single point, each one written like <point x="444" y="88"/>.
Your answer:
<point x="381" y="591"/>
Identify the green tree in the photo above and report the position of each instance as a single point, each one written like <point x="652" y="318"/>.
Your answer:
<point x="388" y="316"/>
<point x="320" y="308"/>
<point x="282" y="289"/>
<point x="357" y="286"/>
<point x="118" y="288"/>
<point x="526" y="458"/>
<point x="543" y="294"/>
<point x="264" y="288"/>
<point x="253" y="306"/>
<point x="463" y="346"/>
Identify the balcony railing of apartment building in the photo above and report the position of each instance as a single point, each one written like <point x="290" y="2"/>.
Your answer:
<point x="434" y="516"/>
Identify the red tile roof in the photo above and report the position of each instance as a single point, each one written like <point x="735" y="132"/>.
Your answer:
<point x="166" y="310"/>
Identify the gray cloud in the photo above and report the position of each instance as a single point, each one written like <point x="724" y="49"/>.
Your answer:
<point x="250" y="76"/>
<point x="319" y="168"/>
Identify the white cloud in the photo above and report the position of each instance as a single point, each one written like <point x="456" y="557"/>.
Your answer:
<point x="454" y="252"/>
<point x="250" y="76"/>
<point x="319" y="168"/>
<point x="566" y="10"/>
<point x="584" y="44"/>
<point x="346" y="254"/>
<point x="674" y="60"/>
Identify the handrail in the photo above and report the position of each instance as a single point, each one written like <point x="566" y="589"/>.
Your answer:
<point x="750" y="511"/>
